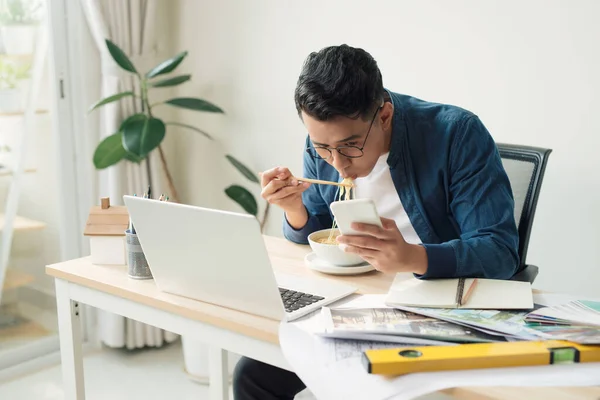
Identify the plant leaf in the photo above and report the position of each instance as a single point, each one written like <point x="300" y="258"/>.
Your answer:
<point x="167" y="66"/>
<point x="190" y="127"/>
<point x="141" y="134"/>
<point x="243" y="197"/>
<point x="120" y="57"/>
<point x="243" y="169"/>
<point x="109" y="152"/>
<point x="110" y="99"/>
<point x="194" y="104"/>
<point x="174" y="81"/>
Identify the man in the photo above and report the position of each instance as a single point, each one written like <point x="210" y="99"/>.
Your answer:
<point x="433" y="170"/>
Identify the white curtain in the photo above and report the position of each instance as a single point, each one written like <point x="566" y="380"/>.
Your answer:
<point x="131" y="25"/>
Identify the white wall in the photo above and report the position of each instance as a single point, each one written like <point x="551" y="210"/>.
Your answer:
<point x="529" y="69"/>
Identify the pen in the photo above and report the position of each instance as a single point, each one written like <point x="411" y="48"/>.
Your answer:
<point x="469" y="292"/>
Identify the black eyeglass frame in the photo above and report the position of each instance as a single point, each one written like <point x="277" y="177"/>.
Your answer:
<point x="318" y="157"/>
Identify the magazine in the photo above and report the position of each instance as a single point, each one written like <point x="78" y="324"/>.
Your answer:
<point x="576" y="321"/>
<point x="505" y="323"/>
<point x="354" y="322"/>
<point x="576" y="334"/>
<point x="580" y="312"/>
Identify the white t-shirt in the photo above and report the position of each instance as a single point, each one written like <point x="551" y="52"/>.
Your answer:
<point x="379" y="187"/>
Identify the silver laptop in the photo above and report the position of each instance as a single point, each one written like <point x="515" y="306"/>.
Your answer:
<point x="220" y="257"/>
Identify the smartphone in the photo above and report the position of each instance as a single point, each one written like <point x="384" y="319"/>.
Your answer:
<point x="347" y="212"/>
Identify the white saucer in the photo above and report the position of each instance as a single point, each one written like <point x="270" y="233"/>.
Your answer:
<point x="315" y="263"/>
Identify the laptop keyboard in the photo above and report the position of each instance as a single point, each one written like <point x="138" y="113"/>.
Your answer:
<point x="293" y="300"/>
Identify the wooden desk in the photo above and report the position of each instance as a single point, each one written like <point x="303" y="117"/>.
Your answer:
<point x="109" y="288"/>
<point x="285" y="256"/>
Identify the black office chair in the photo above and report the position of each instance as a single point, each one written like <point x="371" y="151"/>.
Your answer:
<point x="525" y="167"/>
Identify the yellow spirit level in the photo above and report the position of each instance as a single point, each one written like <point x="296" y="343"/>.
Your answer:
<point x="406" y="360"/>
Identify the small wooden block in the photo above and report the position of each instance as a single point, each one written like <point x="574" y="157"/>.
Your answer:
<point x="112" y="221"/>
<point x="105" y="202"/>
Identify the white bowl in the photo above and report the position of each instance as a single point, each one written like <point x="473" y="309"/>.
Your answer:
<point x="332" y="253"/>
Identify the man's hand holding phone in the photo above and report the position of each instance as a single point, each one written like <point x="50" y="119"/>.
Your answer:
<point x="278" y="188"/>
<point x="377" y="240"/>
<point x="385" y="248"/>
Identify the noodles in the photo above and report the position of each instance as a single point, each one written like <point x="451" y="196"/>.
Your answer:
<point x="345" y="193"/>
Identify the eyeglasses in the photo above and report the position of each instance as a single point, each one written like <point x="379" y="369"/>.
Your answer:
<point x="325" y="153"/>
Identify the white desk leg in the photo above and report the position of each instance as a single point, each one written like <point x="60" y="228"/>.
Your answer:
<point x="219" y="374"/>
<point x="69" y="323"/>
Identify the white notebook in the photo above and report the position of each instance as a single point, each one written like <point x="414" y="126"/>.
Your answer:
<point x="468" y="293"/>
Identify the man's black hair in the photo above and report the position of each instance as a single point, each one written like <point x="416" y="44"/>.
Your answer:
<point x="339" y="81"/>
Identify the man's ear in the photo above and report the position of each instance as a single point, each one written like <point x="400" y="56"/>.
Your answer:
<point x="385" y="115"/>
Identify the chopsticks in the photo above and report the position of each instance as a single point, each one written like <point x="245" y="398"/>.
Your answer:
<point x="318" y="181"/>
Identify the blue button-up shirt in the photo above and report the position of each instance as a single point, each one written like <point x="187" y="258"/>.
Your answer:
<point x="450" y="179"/>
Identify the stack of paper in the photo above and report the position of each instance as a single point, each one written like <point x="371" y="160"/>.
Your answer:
<point x="576" y="321"/>
<point x="377" y="319"/>
<point x="580" y="312"/>
<point x="508" y="324"/>
<point x="393" y="325"/>
<point x="575" y="334"/>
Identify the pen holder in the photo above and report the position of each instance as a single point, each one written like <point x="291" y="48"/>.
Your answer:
<point x="136" y="260"/>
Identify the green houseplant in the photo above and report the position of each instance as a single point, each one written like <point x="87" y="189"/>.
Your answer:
<point x="242" y="196"/>
<point x="142" y="133"/>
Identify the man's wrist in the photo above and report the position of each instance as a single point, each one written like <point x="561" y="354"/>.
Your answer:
<point x="297" y="219"/>
<point x="417" y="259"/>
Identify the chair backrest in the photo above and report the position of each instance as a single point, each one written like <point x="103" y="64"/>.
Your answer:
<point x="525" y="166"/>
